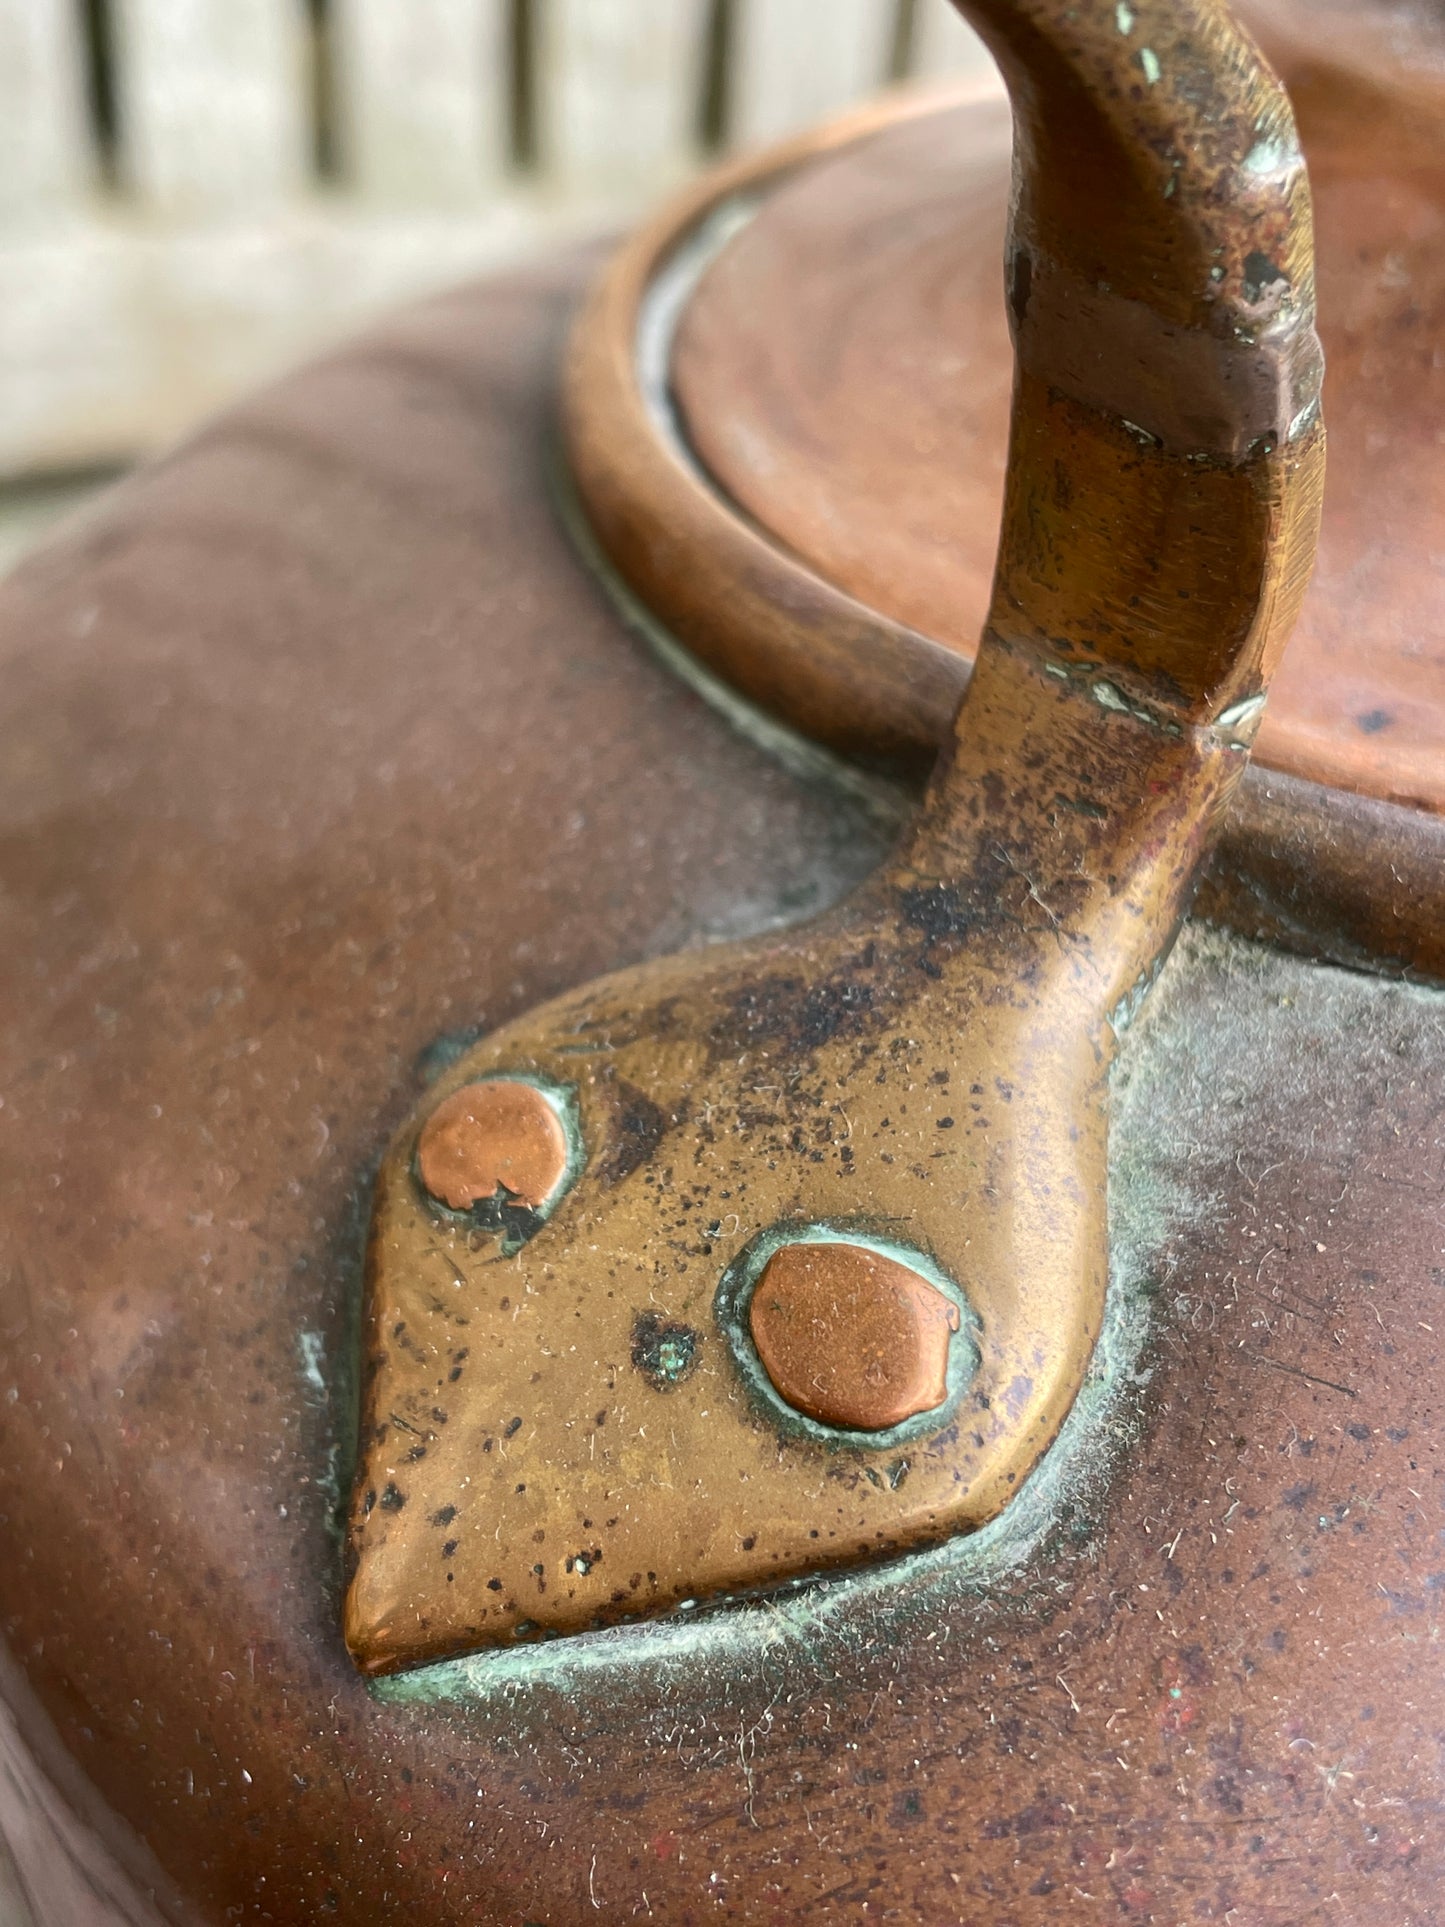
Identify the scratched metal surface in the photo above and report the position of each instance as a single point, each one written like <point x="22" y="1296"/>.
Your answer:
<point x="223" y="736"/>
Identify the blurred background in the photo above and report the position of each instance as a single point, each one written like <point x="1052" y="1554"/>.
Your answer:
<point x="194" y="193"/>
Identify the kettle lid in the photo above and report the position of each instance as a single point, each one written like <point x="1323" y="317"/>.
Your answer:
<point x="820" y="350"/>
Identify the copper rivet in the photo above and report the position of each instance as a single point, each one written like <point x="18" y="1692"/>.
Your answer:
<point x="852" y="1338"/>
<point x="496" y="1135"/>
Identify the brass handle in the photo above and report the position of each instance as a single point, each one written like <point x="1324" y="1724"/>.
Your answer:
<point x="1167" y="457"/>
<point x="771" y="1259"/>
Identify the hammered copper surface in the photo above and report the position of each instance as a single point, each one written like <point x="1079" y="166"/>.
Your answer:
<point x="252" y="717"/>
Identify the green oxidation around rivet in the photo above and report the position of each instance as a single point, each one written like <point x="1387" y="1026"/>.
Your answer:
<point x="664" y="1350"/>
<point x="809" y="1615"/>
<point x="734" y="1296"/>
<point x="816" y="1625"/>
<point x="311" y="1351"/>
<point x="1149" y="1206"/>
<point x="494" y="1212"/>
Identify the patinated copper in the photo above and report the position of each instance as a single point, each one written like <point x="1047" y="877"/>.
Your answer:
<point x="269" y="722"/>
<point x="850" y="1336"/>
<point x="845" y="346"/>
<point x="932" y="1056"/>
<point x="498" y="1136"/>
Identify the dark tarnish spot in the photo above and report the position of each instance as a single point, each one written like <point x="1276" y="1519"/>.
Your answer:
<point x="832" y="1010"/>
<point x="517" y="1223"/>
<point x="637" y="1128"/>
<point x="1373" y="721"/>
<point x="391" y="1500"/>
<point x="804" y="1016"/>
<point x="663" y="1351"/>
<point x="1262" y="277"/>
<point x="938" y="910"/>
<point x="1020" y="283"/>
<point x="1225" y="1793"/>
<point x="907" y="1808"/>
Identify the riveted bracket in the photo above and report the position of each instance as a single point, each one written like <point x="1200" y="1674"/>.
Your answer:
<point x="769" y="1260"/>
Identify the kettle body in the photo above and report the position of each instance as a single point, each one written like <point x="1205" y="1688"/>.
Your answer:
<point x="378" y="717"/>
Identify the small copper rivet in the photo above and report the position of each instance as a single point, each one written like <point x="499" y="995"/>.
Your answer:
<point x="501" y="1134"/>
<point x="851" y="1338"/>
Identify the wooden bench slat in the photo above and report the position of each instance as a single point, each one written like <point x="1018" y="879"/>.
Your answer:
<point x="422" y="98"/>
<point x="618" y="89"/>
<point x="214" y="98"/>
<point x="46" y="162"/>
<point x="220" y="254"/>
<point x="795" y="61"/>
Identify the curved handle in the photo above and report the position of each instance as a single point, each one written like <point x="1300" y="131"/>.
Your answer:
<point x="802" y="1242"/>
<point x="1167" y="457"/>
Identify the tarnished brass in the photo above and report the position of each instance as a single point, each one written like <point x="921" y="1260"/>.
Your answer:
<point x="561" y="1425"/>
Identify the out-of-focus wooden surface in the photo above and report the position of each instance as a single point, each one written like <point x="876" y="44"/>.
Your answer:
<point x="195" y="192"/>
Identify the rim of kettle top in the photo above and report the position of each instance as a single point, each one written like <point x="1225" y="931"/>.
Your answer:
<point x="728" y="590"/>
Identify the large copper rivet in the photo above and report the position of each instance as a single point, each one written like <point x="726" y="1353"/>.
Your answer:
<point x="852" y="1338"/>
<point x="500" y="1134"/>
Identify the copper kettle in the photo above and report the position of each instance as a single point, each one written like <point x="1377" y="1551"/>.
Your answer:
<point x="710" y="1212"/>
